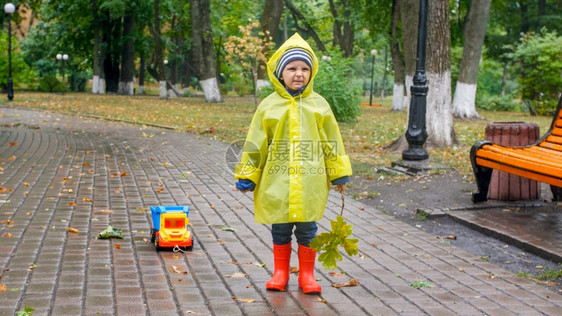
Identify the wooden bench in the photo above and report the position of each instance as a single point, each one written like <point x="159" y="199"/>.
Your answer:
<point x="541" y="161"/>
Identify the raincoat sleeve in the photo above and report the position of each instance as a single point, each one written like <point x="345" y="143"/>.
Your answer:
<point x="255" y="151"/>
<point x="338" y="165"/>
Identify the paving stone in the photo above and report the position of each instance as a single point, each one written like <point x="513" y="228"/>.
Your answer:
<point x="80" y="274"/>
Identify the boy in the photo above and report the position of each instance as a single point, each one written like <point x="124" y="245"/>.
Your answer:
<point x="292" y="152"/>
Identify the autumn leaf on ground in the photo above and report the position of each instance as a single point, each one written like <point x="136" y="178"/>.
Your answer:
<point x="3" y="189"/>
<point x="321" y="300"/>
<point x="72" y="230"/>
<point x="7" y="221"/>
<point x="244" y="300"/>
<point x="352" y="282"/>
<point x="117" y="246"/>
<point x="453" y="237"/>
<point x="12" y="144"/>
<point x="8" y="235"/>
<point x="294" y="270"/>
<point x="3" y="288"/>
<point x="327" y="243"/>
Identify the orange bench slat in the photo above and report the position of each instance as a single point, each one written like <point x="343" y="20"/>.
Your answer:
<point x="500" y="153"/>
<point x="541" y="177"/>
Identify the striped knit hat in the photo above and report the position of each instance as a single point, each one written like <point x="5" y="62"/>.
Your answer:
<point x="289" y="56"/>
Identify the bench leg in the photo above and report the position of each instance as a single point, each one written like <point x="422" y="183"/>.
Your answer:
<point x="556" y="193"/>
<point x="482" y="174"/>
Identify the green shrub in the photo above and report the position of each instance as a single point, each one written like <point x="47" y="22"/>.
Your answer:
<point x="538" y="63"/>
<point x="497" y="103"/>
<point x="77" y="80"/>
<point x="50" y="83"/>
<point x="334" y="83"/>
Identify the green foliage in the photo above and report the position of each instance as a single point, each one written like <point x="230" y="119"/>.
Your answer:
<point x="27" y="311"/>
<point x="550" y="275"/>
<point x="497" y="103"/>
<point x="50" y="83"/>
<point x="328" y="243"/>
<point x="22" y="76"/>
<point x="334" y="83"/>
<point x="77" y="80"/>
<point x="110" y="232"/>
<point x="537" y="60"/>
<point x="420" y="283"/>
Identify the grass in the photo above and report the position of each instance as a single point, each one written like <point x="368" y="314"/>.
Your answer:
<point x="366" y="139"/>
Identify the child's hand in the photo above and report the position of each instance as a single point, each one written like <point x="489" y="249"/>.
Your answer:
<point x="340" y="187"/>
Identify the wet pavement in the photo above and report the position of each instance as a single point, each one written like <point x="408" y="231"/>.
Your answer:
<point x="63" y="179"/>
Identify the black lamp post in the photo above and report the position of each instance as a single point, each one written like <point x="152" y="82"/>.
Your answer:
<point x="373" y="53"/>
<point x="62" y="58"/>
<point x="9" y="8"/>
<point x="416" y="134"/>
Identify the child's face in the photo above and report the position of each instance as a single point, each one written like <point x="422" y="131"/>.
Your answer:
<point x="296" y="75"/>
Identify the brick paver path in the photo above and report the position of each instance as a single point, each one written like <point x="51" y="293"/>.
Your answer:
<point x="60" y="172"/>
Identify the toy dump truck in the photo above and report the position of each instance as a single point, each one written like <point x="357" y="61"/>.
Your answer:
<point x="171" y="227"/>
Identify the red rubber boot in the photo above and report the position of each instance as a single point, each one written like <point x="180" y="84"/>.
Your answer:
<point x="281" y="260"/>
<point x="307" y="281"/>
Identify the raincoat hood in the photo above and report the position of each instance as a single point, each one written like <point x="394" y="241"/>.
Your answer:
<point x="296" y="41"/>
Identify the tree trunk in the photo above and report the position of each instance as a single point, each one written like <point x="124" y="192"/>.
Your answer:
<point x="141" y="74"/>
<point x="343" y="34"/>
<point x="473" y="32"/>
<point x="409" y="10"/>
<point x="270" y="20"/>
<point x="439" y="119"/>
<point x="397" y="59"/>
<point x="202" y="49"/>
<point x="98" y="85"/>
<point x="126" y="86"/>
<point x="156" y="65"/>
<point x="385" y="74"/>
<point x="111" y="37"/>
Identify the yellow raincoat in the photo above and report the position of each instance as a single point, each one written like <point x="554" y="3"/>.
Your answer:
<point x="293" y="150"/>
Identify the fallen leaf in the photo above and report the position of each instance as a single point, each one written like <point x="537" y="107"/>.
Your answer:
<point x="71" y="204"/>
<point x="117" y="246"/>
<point x="106" y="211"/>
<point x="321" y="300"/>
<point x="87" y="199"/>
<point x="159" y="190"/>
<point x="337" y="275"/>
<point x="8" y="235"/>
<point x="380" y="228"/>
<point x="175" y="269"/>
<point x="2" y="189"/>
<point x="220" y="242"/>
<point x="3" y="288"/>
<point x="228" y="229"/>
<point x="352" y="282"/>
<point x="7" y="221"/>
<point x="72" y="230"/>
<point x="12" y="144"/>
<point x="145" y="240"/>
<point x="244" y="300"/>
<point x="294" y="270"/>
<point x="453" y="237"/>
<point x="26" y="184"/>
<point x="237" y="275"/>
<point x="362" y="208"/>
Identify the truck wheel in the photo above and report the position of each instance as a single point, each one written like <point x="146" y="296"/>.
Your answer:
<point x="152" y="234"/>
<point x="156" y="243"/>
